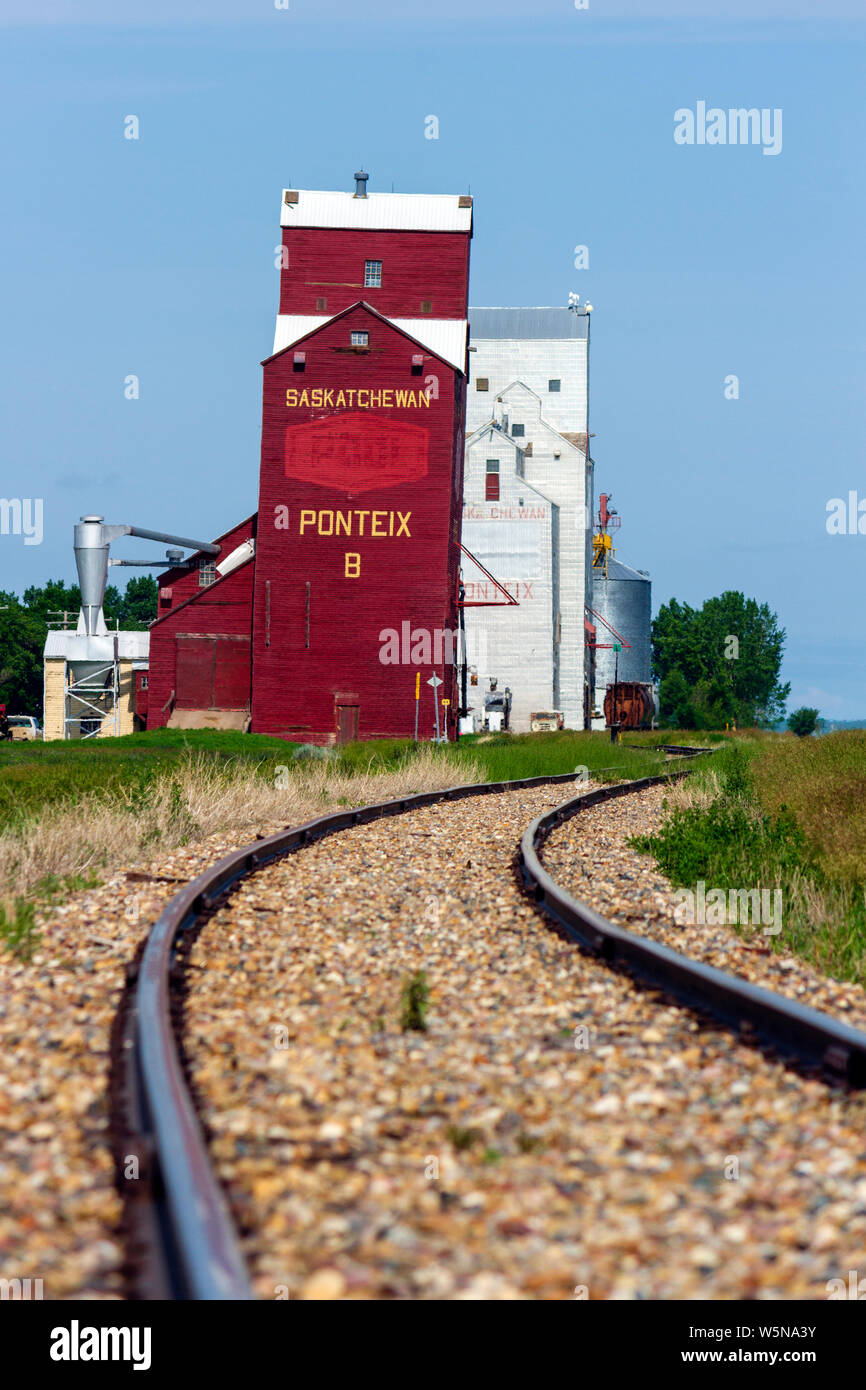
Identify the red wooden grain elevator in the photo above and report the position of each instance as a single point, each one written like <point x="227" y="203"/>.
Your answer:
<point x="357" y="530"/>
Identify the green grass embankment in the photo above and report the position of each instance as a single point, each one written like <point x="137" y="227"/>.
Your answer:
<point x="780" y="812"/>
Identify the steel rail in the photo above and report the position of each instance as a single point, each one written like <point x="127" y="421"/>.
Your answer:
<point x="183" y="1236"/>
<point x="795" y="1030"/>
<point x="186" y="1243"/>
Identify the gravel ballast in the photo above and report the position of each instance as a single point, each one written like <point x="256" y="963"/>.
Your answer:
<point x="588" y="855"/>
<point x="554" y="1133"/>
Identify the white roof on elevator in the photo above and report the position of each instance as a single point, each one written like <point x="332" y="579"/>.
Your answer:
<point x="386" y="212"/>
<point x="445" y="337"/>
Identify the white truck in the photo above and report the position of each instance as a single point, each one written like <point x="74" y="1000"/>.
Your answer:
<point x="23" y="727"/>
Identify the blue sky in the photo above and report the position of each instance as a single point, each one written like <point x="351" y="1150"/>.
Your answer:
<point x="155" y="257"/>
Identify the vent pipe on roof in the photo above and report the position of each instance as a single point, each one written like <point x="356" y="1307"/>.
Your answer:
<point x="361" y="184"/>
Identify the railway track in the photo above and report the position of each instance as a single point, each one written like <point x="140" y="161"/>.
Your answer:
<point x="182" y="1239"/>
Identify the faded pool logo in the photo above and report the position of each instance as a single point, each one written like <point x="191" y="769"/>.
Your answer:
<point x="714" y="125"/>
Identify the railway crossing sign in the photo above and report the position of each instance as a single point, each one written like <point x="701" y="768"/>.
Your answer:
<point x="435" y="681"/>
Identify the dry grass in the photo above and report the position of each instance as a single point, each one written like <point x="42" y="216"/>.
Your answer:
<point x="697" y="793"/>
<point x="822" y="781"/>
<point x="194" y="801"/>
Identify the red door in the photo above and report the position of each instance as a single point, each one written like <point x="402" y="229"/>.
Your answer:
<point x="348" y="721"/>
<point x="212" y="673"/>
<point x="232" y="673"/>
<point x="194" y="673"/>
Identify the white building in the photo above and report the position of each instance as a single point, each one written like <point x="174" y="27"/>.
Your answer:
<point x="527" y="497"/>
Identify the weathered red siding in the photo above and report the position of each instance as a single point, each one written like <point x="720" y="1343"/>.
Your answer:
<point x="178" y="585"/>
<point x="200" y="652"/>
<point x="417" y="267"/>
<point x="141" y="696"/>
<point x="358" y="533"/>
<point x="359" y="511"/>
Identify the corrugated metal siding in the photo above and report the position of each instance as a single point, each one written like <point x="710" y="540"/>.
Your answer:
<point x="432" y="212"/>
<point x="527" y="323"/>
<point x="625" y="600"/>
<point x="321" y="646"/>
<point x="519" y="372"/>
<point x="534" y="364"/>
<point x="73" y="646"/>
<point x="513" y="540"/>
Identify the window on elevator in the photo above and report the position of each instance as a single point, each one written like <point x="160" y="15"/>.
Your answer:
<point x="491" y="481"/>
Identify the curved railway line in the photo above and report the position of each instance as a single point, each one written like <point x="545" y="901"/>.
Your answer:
<point x="182" y="1239"/>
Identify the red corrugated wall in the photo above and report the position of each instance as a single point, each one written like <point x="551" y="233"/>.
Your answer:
<point x="417" y="267"/>
<point x="200" y="646"/>
<point x="317" y="622"/>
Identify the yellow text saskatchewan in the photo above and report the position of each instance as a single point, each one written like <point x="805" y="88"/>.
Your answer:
<point x="364" y="398"/>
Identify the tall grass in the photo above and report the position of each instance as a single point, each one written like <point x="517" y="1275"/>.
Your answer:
<point x="34" y="776"/>
<point x="508" y="757"/>
<point x="191" y="801"/>
<point x="822" y="781"/>
<point x="69" y="810"/>
<point x="749" y="821"/>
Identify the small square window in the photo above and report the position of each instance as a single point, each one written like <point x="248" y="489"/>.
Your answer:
<point x="518" y="431"/>
<point x="321" y="305"/>
<point x="299" y="363"/>
<point x="426" y="306"/>
<point x="143" y="685"/>
<point x="554" y="384"/>
<point x="373" y="275"/>
<point x="206" y="573"/>
<point x="482" y="384"/>
<point x="360" y="340"/>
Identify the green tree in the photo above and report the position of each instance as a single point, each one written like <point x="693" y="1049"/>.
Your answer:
<point x="22" y="636"/>
<point x="676" y="710"/>
<point x="729" y="655"/>
<point x="24" y="625"/>
<point x="49" y="602"/>
<point x="135" y="608"/>
<point x="140" y="603"/>
<point x="803" y="722"/>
